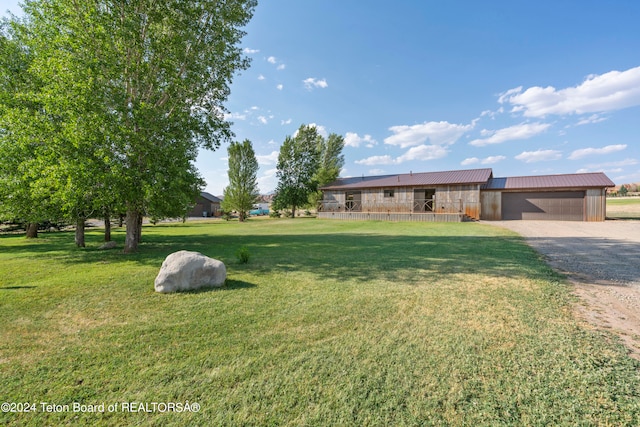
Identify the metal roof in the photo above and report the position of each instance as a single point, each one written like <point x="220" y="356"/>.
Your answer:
<point x="210" y="197"/>
<point x="460" y="177"/>
<point x="584" y="180"/>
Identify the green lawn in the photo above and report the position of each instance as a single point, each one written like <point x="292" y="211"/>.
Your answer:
<point x="330" y="323"/>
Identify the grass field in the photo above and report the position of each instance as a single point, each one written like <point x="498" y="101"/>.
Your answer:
<point x="623" y="207"/>
<point x="330" y="323"/>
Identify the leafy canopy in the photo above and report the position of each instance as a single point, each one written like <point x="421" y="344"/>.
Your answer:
<point x="242" y="191"/>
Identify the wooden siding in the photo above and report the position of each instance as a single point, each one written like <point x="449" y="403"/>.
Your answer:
<point x="491" y="202"/>
<point x="595" y="204"/>
<point x="397" y="217"/>
<point x="450" y="199"/>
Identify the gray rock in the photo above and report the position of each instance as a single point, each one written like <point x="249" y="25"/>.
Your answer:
<point x="108" y="245"/>
<point x="185" y="270"/>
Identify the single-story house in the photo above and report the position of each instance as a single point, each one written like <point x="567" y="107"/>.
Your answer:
<point x="461" y="195"/>
<point x="206" y="205"/>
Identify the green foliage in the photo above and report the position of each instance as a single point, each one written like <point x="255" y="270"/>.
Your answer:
<point x="243" y="255"/>
<point x="226" y="215"/>
<point x="105" y="105"/>
<point x="298" y="163"/>
<point x="274" y="213"/>
<point x="242" y="191"/>
<point x="331" y="162"/>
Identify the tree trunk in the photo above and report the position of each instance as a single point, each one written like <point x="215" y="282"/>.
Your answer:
<point x="107" y="227"/>
<point x="293" y="211"/>
<point x="132" y="235"/>
<point x="32" y="230"/>
<point x="139" y="229"/>
<point x="79" y="239"/>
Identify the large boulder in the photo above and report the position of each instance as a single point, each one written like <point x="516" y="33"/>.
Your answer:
<point x="185" y="270"/>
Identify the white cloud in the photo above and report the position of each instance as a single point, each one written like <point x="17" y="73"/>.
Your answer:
<point x="263" y="120"/>
<point x="492" y="114"/>
<point x="261" y="77"/>
<point x="235" y="116"/>
<point x="610" y="91"/>
<point x="614" y="167"/>
<point x="312" y="82"/>
<point x="376" y="172"/>
<point x="492" y="160"/>
<point x="486" y="161"/>
<point x="376" y="160"/>
<point x="584" y="152"/>
<point x="272" y="60"/>
<point x="249" y="51"/>
<point x="423" y="152"/>
<point x="280" y="87"/>
<point x="352" y="139"/>
<point x="521" y="131"/>
<point x="268" y="159"/>
<point x="268" y="181"/>
<point x="594" y="118"/>
<point x="438" y="133"/>
<point x="281" y="67"/>
<point x="285" y="122"/>
<point x="539" y="156"/>
<point x="470" y="161"/>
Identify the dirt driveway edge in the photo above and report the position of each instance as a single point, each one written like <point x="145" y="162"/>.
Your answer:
<point x="602" y="261"/>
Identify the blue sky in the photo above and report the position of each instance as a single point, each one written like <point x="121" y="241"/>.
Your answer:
<point x="525" y="88"/>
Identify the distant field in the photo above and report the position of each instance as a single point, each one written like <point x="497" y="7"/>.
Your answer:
<point x="623" y="207"/>
<point x="330" y="323"/>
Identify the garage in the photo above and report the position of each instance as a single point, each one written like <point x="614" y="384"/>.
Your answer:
<point x="551" y="205"/>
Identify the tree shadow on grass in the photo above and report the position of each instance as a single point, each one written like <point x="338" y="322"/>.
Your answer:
<point x="229" y="285"/>
<point x="358" y="256"/>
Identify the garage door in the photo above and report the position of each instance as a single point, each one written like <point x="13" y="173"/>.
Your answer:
<point x="562" y="206"/>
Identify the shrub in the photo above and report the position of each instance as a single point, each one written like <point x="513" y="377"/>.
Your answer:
<point x="243" y="255"/>
<point x="274" y="214"/>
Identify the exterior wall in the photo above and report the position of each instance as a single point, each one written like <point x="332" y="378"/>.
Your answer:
<point x="381" y="216"/>
<point x="204" y="205"/>
<point x="595" y="206"/>
<point x="491" y="202"/>
<point x="450" y="199"/>
<point x="458" y="198"/>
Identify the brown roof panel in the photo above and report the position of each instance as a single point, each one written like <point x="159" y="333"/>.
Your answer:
<point x="471" y="176"/>
<point x="595" y="179"/>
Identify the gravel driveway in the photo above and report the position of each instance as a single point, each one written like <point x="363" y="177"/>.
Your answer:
<point x="602" y="259"/>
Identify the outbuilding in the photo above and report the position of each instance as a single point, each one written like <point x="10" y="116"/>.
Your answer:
<point x="467" y="195"/>
<point x="569" y="197"/>
<point x="207" y="205"/>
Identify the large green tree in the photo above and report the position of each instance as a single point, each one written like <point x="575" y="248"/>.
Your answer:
<point x="145" y="83"/>
<point x="298" y="163"/>
<point x="242" y="191"/>
<point x="331" y="161"/>
<point x="25" y="123"/>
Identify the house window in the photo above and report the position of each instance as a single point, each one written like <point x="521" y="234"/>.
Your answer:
<point x="389" y="193"/>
